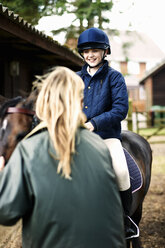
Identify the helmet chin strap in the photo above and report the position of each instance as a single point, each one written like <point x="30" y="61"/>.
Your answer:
<point x="101" y="62"/>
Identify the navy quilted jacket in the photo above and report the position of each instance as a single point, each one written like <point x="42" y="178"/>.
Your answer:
<point x="105" y="100"/>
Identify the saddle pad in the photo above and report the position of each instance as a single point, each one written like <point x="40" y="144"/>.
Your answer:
<point x="134" y="171"/>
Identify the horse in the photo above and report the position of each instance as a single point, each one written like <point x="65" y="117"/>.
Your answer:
<point x="17" y="118"/>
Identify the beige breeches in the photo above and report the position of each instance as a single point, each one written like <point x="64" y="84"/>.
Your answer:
<point x="119" y="163"/>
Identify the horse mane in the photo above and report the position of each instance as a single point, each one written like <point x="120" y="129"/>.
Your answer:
<point x="30" y="101"/>
<point x="9" y="103"/>
<point x="3" y="99"/>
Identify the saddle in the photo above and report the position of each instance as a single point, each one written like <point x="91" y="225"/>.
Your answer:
<point x="134" y="171"/>
<point x="136" y="181"/>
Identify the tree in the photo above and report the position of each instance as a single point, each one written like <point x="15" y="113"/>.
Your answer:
<point x="31" y="10"/>
<point x="89" y="11"/>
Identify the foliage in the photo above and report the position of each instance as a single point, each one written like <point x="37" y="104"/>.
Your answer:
<point x="89" y="12"/>
<point x="30" y="10"/>
<point x="125" y="48"/>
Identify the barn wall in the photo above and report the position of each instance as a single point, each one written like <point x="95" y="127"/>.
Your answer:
<point x="2" y="77"/>
<point x="159" y="88"/>
<point x="18" y="71"/>
<point x="17" y="74"/>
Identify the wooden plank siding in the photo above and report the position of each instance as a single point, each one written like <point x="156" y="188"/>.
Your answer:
<point x="26" y="52"/>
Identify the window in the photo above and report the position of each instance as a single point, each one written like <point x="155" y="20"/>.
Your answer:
<point x="133" y="68"/>
<point x="142" y="94"/>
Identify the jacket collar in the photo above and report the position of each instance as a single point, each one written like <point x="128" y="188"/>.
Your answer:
<point x="100" y="72"/>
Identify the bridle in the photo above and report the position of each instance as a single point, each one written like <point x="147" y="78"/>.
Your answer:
<point x="12" y="110"/>
<point x="35" y="120"/>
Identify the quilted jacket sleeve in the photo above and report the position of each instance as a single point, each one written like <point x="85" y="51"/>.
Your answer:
<point x="119" y="105"/>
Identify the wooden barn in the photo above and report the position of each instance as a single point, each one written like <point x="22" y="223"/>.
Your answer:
<point x="26" y="52"/>
<point x="154" y="86"/>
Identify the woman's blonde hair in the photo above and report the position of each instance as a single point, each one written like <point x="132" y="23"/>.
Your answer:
<point x="59" y="106"/>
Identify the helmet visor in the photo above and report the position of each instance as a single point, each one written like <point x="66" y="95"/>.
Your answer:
<point x="93" y="45"/>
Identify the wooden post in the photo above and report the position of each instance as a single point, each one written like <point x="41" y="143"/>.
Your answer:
<point x="137" y="122"/>
<point x="129" y="119"/>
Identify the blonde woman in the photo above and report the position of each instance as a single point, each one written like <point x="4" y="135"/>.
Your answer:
<point x="60" y="181"/>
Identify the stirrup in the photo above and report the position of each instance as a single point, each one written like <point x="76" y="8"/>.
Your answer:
<point x="135" y="228"/>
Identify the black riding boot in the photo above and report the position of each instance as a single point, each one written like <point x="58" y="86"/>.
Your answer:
<point x="126" y="199"/>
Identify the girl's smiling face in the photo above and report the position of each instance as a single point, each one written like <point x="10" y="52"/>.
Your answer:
<point x="93" y="56"/>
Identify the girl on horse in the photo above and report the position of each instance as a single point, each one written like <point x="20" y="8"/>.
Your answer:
<point x="106" y="105"/>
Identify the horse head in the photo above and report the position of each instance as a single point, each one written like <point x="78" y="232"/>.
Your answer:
<point x="17" y="118"/>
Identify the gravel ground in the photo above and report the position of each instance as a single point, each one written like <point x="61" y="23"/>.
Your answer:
<point x="152" y="226"/>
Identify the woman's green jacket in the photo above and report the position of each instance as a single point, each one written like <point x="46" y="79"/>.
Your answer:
<point x="84" y="212"/>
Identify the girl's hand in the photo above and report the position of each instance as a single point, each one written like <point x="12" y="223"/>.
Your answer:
<point x="89" y="126"/>
<point x="2" y="163"/>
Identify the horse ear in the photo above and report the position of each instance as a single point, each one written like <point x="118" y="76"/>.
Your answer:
<point x="31" y="99"/>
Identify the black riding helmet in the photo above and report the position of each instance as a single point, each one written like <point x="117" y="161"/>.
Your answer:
<point x="93" y="38"/>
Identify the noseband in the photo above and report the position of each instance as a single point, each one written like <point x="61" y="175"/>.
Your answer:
<point x="12" y="110"/>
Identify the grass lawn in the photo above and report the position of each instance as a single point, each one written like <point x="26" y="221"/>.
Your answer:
<point x="157" y="141"/>
<point x="158" y="165"/>
<point x="151" y="131"/>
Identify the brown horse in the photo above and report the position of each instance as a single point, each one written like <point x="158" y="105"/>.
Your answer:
<point x="17" y="118"/>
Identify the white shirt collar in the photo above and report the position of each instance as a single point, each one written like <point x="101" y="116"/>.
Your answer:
<point x="88" y="70"/>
